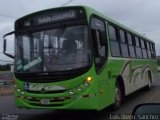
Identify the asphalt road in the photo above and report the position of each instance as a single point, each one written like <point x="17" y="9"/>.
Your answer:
<point x="7" y="108"/>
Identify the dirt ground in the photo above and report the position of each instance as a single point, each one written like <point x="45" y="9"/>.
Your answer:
<point x="6" y="90"/>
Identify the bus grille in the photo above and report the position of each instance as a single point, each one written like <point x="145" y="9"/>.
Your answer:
<point x="47" y="92"/>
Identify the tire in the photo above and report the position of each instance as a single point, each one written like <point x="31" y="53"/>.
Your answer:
<point x="118" y="97"/>
<point x="149" y="86"/>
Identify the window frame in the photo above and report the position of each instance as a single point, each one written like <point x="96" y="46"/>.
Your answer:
<point x="131" y="45"/>
<point x="98" y="70"/>
<point x="138" y="48"/>
<point x="144" y="48"/>
<point x="117" y="41"/>
<point x="123" y="43"/>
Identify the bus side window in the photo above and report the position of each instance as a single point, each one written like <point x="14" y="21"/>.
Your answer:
<point x="138" y="48"/>
<point x="123" y="43"/>
<point x="151" y="47"/>
<point x="153" y="51"/>
<point x="114" y="43"/>
<point x="144" y="50"/>
<point x="131" y="45"/>
<point x="99" y="42"/>
<point x="148" y="49"/>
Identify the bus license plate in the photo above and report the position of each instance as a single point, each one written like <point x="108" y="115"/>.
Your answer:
<point x="45" y="101"/>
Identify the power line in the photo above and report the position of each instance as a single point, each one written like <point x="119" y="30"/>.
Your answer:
<point x="67" y="2"/>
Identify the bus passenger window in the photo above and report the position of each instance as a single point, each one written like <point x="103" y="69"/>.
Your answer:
<point x="124" y="46"/>
<point x="148" y="49"/>
<point x="114" y="43"/>
<point x="131" y="45"/>
<point x="144" y="51"/>
<point x="138" y="48"/>
<point x="153" y="53"/>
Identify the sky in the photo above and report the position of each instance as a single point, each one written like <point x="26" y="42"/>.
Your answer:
<point x="140" y="15"/>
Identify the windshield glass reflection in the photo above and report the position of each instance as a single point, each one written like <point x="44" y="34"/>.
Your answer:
<point x="53" y="50"/>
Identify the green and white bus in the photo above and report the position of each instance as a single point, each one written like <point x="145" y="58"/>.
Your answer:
<point x="77" y="58"/>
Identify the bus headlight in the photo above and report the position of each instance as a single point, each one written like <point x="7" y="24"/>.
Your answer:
<point x="81" y="87"/>
<point x="86" y="84"/>
<point x="18" y="90"/>
<point x="89" y="79"/>
<point x="71" y="92"/>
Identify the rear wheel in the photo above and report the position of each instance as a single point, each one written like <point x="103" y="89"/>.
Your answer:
<point x="117" y="97"/>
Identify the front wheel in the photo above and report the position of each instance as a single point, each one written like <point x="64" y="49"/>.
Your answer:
<point x="117" y="97"/>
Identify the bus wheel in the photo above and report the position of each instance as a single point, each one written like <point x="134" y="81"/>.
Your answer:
<point x="148" y="87"/>
<point x="117" y="97"/>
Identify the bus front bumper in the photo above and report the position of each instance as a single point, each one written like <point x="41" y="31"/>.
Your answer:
<point x="79" y="102"/>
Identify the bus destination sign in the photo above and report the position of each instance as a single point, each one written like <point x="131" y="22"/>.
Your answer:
<point x="50" y="17"/>
<point x="55" y="17"/>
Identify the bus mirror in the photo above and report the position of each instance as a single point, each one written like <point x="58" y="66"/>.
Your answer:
<point x="8" y="48"/>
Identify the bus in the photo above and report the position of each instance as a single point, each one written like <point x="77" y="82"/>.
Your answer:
<point x="76" y="58"/>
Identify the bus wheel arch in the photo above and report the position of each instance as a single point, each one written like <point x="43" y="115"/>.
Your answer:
<point x="149" y="80"/>
<point x="150" y="76"/>
<point x="121" y="82"/>
<point x="119" y="93"/>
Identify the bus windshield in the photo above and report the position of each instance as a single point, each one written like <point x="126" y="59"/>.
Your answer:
<point x="60" y="49"/>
